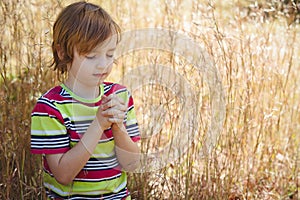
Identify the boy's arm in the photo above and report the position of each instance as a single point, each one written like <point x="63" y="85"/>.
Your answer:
<point x="66" y="166"/>
<point x="128" y="152"/>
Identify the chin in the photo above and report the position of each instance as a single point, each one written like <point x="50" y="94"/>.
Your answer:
<point x="100" y="82"/>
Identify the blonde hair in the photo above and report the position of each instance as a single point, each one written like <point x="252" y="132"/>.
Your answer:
<point x="82" y="26"/>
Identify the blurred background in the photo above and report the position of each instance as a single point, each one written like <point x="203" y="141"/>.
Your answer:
<point x="253" y="45"/>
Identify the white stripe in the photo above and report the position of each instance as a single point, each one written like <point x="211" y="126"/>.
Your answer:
<point x="136" y="134"/>
<point x="105" y="140"/>
<point x="81" y="118"/>
<point x="100" y="179"/>
<point x="133" y="131"/>
<point x="103" y="155"/>
<point x="40" y="113"/>
<point x="130" y="122"/>
<point x="102" y="168"/>
<point x="120" y="90"/>
<point x="101" y="163"/>
<point x="81" y="125"/>
<point x="48" y="142"/>
<point x="132" y="106"/>
<point x="48" y="146"/>
<point x="100" y="141"/>
<point x="63" y="193"/>
<point x="64" y="143"/>
<point x="66" y="101"/>
<point x="114" y="159"/>
<point x="48" y="102"/>
<point x="120" y="187"/>
<point x="132" y="128"/>
<point x="49" y="139"/>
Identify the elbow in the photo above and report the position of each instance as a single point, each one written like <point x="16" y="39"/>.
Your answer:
<point x="63" y="179"/>
<point x="132" y="165"/>
<point x="130" y="168"/>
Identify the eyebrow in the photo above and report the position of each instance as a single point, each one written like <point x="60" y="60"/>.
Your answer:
<point x="95" y="51"/>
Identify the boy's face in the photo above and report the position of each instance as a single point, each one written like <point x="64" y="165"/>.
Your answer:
<point x="93" y="68"/>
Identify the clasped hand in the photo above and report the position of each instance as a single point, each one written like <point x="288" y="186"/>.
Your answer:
<point x="111" y="111"/>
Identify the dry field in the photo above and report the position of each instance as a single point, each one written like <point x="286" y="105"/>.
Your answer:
<point x="257" y="155"/>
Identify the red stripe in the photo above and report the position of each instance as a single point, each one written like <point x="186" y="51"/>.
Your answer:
<point x="43" y="108"/>
<point x="95" y="174"/>
<point x="114" y="88"/>
<point x="106" y="135"/>
<point x="136" y="138"/>
<point x="54" y="92"/>
<point x="130" y="101"/>
<point x="49" y="151"/>
<point x="99" y="174"/>
<point x="74" y="134"/>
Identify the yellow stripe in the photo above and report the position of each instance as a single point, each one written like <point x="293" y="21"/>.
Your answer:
<point x="85" y="188"/>
<point x="102" y="150"/>
<point x="46" y="126"/>
<point x="74" y="109"/>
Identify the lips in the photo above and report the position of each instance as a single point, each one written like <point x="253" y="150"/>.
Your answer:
<point x="100" y="75"/>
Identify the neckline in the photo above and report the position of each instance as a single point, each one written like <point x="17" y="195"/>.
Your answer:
<point x="81" y="99"/>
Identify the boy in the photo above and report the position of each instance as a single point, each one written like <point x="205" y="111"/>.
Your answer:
<point x="85" y="128"/>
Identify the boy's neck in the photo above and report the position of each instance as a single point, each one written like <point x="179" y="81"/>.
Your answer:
<point x="82" y="90"/>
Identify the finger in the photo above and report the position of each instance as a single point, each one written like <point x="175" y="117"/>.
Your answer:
<point x="114" y="103"/>
<point x="121" y="101"/>
<point x="108" y="113"/>
<point x="116" y="97"/>
<point x="119" y="116"/>
<point x="108" y="104"/>
<point x="115" y="120"/>
<point x="111" y="112"/>
<point x="104" y="99"/>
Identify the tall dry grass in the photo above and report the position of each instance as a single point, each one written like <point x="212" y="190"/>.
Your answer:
<point x="258" y="152"/>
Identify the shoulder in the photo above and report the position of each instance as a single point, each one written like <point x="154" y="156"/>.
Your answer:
<point x="110" y="88"/>
<point x="53" y="93"/>
<point x="49" y="98"/>
<point x="47" y="103"/>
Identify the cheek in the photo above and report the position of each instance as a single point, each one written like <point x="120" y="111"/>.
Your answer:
<point x="80" y="67"/>
<point x="86" y="64"/>
<point x="109" y="68"/>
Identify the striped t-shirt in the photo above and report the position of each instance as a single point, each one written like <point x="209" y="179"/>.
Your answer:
<point x="58" y="121"/>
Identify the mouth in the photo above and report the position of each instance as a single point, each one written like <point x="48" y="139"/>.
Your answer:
<point x="100" y="75"/>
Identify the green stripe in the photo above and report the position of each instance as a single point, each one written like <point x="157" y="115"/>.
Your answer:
<point x="50" y="126"/>
<point x="104" y="150"/>
<point x="131" y="117"/>
<point x="75" y="109"/>
<point x="84" y="188"/>
<point x="124" y="96"/>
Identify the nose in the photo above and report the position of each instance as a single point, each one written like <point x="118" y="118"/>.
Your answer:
<point x="103" y="62"/>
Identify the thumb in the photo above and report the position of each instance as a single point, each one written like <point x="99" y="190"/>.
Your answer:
<point x="104" y="99"/>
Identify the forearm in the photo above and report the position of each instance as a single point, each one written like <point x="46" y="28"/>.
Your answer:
<point x="128" y="152"/>
<point x="66" y="166"/>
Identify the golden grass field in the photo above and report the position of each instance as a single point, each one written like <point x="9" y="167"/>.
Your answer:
<point x="257" y="155"/>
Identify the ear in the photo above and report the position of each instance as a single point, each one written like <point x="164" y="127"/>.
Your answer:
<point x="60" y="52"/>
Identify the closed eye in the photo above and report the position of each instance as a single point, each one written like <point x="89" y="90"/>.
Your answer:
<point x="90" y="57"/>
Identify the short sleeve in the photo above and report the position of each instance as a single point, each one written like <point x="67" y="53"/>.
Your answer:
<point x="131" y="121"/>
<point x="48" y="132"/>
